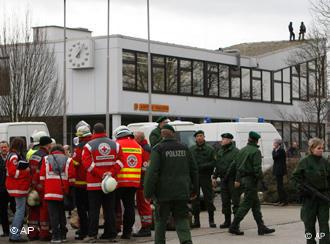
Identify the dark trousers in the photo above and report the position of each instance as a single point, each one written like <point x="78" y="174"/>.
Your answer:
<point x="126" y="195"/>
<point x="206" y="184"/>
<point x="4" y="200"/>
<point x="57" y="219"/>
<point x="82" y="209"/>
<point x="96" y="199"/>
<point x="282" y="197"/>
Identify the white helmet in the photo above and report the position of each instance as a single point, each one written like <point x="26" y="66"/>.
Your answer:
<point x="33" y="199"/>
<point x="122" y="131"/>
<point x="109" y="184"/>
<point x="37" y="135"/>
<point x="82" y="123"/>
<point x="83" y="131"/>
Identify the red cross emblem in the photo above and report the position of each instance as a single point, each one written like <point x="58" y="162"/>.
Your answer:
<point x="104" y="149"/>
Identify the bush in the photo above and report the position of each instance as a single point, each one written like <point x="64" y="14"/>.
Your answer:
<point x="271" y="195"/>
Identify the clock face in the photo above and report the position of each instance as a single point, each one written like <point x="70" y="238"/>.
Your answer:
<point x="80" y="54"/>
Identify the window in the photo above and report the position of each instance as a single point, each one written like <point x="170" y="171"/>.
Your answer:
<point x="212" y="79"/>
<point x="129" y="70"/>
<point x="246" y="84"/>
<point x="256" y="85"/>
<point x="185" y="77"/>
<point x="4" y="78"/>
<point x="286" y="86"/>
<point x="158" y="73"/>
<point x="198" y="78"/>
<point x="266" y="86"/>
<point x="142" y="72"/>
<point x="299" y="81"/>
<point x="286" y="134"/>
<point x="171" y="75"/>
<point x="224" y="81"/>
<point x="278" y="86"/>
<point x="295" y="133"/>
<point x="235" y="81"/>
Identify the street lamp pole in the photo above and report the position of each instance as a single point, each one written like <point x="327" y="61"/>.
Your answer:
<point x="64" y="80"/>
<point x="107" y="119"/>
<point x="149" y="69"/>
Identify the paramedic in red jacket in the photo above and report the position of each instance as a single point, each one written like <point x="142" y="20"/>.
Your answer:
<point x="143" y="206"/>
<point x="18" y="184"/>
<point x="84" y="134"/>
<point x="129" y="177"/>
<point x="38" y="216"/>
<point x="101" y="156"/>
<point x="57" y="174"/>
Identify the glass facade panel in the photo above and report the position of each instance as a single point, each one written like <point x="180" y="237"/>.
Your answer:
<point x="295" y="133"/>
<point x="256" y="74"/>
<point x="158" y="75"/>
<point x="278" y="75"/>
<point x="295" y="87"/>
<point x="256" y="89"/>
<point x="212" y="79"/>
<point x="171" y="75"/>
<point x="142" y="72"/>
<point x="129" y="76"/>
<point x="198" y="75"/>
<point x="277" y="92"/>
<point x="266" y="86"/>
<point x="286" y="93"/>
<point x="286" y="75"/>
<point x="224" y="80"/>
<point x="185" y="81"/>
<point x="246" y="84"/>
<point x="303" y="88"/>
<point x="286" y="134"/>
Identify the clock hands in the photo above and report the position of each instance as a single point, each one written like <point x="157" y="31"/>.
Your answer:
<point x="77" y="53"/>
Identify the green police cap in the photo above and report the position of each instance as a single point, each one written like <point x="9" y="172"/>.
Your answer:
<point x="168" y="127"/>
<point x="227" y="135"/>
<point x="198" y="132"/>
<point x="254" y="135"/>
<point x="161" y="119"/>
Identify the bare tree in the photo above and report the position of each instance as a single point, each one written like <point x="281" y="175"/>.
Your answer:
<point x="34" y="89"/>
<point x="309" y="67"/>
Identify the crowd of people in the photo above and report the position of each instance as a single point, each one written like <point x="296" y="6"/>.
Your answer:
<point x="39" y="184"/>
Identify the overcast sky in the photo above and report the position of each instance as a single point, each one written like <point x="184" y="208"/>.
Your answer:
<point x="201" y="23"/>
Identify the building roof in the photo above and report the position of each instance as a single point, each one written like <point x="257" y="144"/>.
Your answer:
<point x="254" y="49"/>
<point x="61" y="27"/>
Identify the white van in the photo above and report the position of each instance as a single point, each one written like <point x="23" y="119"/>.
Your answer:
<point x="24" y="130"/>
<point x="184" y="130"/>
<point x="240" y="131"/>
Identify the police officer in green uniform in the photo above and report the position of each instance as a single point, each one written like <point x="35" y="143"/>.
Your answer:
<point x="229" y="195"/>
<point x="171" y="180"/>
<point x="155" y="135"/>
<point x="249" y="173"/>
<point x="314" y="170"/>
<point x="205" y="156"/>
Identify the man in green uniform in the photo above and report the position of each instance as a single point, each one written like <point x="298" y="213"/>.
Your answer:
<point x="204" y="155"/>
<point x="249" y="173"/>
<point x="229" y="195"/>
<point x="171" y="180"/>
<point x="314" y="170"/>
<point x="155" y="136"/>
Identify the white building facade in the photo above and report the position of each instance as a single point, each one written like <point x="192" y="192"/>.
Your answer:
<point x="187" y="83"/>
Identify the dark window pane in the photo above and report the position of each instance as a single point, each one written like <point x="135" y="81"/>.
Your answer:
<point x="128" y="56"/>
<point x="4" y="78"/>
<point x="142" y="72"/>
<point x="158" y="79"/>
<point x="212" y="79"/>
<point x="295" y="133"/>
<point x="246" y="84"/>
<point x="129" y="76"/>
<point x="256" y="89"/>
<point x="235" y="87"/>
<point x="171" y="75"/>
<point x="185" y="82"/>
<point x="198" y="82"/>
<point x="157" y="60"/>
<point x="266" y="86"/>
<point x="224" y="80"/>
<point x="185" y="64"/>
<point x="286" y="133"/>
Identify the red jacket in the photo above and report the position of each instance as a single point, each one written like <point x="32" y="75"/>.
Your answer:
<point x="35" y="162"/>
<point x="130" y="174"/>
<point x="17" y="181"/>
<point x="54" y="187"/>
<point x="77" y="161"/>
<point x="101" y="155"/>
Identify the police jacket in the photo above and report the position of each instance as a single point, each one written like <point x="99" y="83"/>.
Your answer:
<point x="17" y="180"/>
<point x="130" y="174"/>
<point x="172" y="173"/>
<point x="225" y="156"/>
<point x="155" y="136"/>
<point x="54" y="184"/>
<point x="101" y="155"/>
<point x="314" y="171"/>
<point x="205" y="157"/>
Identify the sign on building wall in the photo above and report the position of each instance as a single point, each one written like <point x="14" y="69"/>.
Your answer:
<point x="154" y="107"/>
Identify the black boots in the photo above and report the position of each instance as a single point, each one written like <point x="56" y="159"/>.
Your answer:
<point x="211" y="220"/>
<point x="227" y="222"/>
<point x="143" y="232"/>
<point x="263" y="230"/>
<point x="234" y="228"/>
<point x="196" y="223"/>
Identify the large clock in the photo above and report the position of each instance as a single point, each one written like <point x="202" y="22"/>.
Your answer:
<point x="80" y="54"/>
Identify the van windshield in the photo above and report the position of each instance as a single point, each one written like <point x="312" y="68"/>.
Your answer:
<point x="186" y="137"/>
